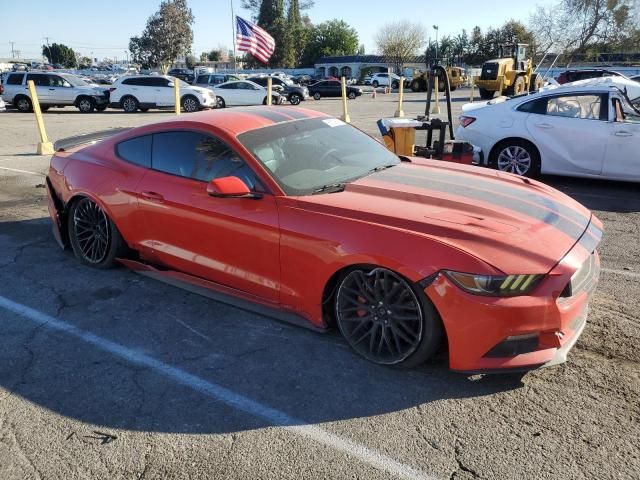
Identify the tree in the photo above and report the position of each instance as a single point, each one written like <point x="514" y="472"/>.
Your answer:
<point x="334" y="37"/>
<point x="167" y="36"/>
<point x="190" y="61"/>
<point x="214" y="56"/>
<point x="399" y="41"/>
<point x="59" y="53"/>
<point x="575" y="25"/>
<point x="296" y="36"/>
<point x="271" y="18"/>
<point x="254" y="6"/>
<point x="84" y="62"/>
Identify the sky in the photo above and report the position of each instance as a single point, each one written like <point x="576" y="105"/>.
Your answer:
<point x="104" y="28"/>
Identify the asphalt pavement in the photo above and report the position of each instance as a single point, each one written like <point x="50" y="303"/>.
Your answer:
<point x="112" y="375"/>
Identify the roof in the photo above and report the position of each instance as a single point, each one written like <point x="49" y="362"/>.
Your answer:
<point x="367" y="59"/>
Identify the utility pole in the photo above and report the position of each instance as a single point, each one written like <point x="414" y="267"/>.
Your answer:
<point x="13" y="54"/>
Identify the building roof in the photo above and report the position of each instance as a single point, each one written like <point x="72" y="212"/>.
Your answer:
<point x="365" y="59"/>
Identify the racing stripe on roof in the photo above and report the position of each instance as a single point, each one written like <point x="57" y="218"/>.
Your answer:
<point x="270" y="114"/>
<point x="293" y="113"/>
<point x="503" y="188"/>
<point x="500" y="199"/>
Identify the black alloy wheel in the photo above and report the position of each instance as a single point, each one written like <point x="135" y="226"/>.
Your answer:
<point x="384" y="319"/>
<point x="190" y="104"/>
<point x="352" y="95"/>
<point x="94" y="239"/>
<point x="316" y="96"/>
<point x="294" y="99"/>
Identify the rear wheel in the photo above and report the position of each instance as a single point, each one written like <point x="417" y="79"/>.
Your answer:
<point x="517" y="156"/>
<point x="129" y="104"/>
<point x="295" y="99"/>
<point x="94" y="238"/>
<point x="394" y="85"/>
<point x="23" y="104"/>
<point x="486" y="94"/>
<point x="352" y="95"/>
<point x="375" y="84"/>
<point x="416" y="86"/>
<point x="385" y="319"/>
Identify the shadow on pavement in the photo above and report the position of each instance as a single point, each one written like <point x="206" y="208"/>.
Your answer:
<point x="309" y="376"/>
<point x="601" y="195"/>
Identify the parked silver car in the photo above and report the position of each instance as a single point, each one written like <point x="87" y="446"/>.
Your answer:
<point x="53" y="90"/>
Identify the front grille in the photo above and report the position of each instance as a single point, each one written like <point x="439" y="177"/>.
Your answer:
<point x="584" y="280"/>
<point x="489" y="71"/>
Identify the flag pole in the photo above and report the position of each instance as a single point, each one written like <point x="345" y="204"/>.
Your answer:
<point x="233" y="32"/>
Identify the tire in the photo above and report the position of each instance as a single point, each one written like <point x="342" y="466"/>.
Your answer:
<point x="220" y="103"/>
<point x="85" y="104"/>
<point x="94" y="238"/>
<point x="486" y="94"/>
<point x="295" y="99"/>
<point x="394" y="85"/>
<point x="145" y="109"/>
<point x="101" y="108"/>
<point x="129" y="104"/>
<point x="516" y="156"/>
<point x="375" y="84"/>
<point x="23" y="104"/>
<point x="190" y="104"/>
<point x="352" y="96"/>
<point x="317" y="96"/>
<point x="535" y="83"/>
<point x="44" y="108"/>
<point x="416" y="86"/>
<point x="385" y="319"/>
<point x="518" y="88"/>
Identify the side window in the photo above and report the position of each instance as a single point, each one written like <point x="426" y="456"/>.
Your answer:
<point x="55" y="81"/>
<point x="229" y="86"/>
<point x="132" y="81"/>
<point x="15" y="79"/>
<point x="203" y="79"/>
<point x="137" y="151"/>
<point x="538" y="106"/>
<point x="198" y="156"/>
<point x="575" y="106"/>
<point x="38" y="80"/>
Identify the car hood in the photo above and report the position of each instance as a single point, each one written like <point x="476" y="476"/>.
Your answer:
<point x="516" y="225"/>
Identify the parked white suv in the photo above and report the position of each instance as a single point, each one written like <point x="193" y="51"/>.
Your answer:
<point x="142" y="92"/>
<point x="53" y="90"/>
<point x="382" y="80"/>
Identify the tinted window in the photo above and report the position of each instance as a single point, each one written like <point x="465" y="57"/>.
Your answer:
<point x="536" y="106"/>
<point x="133" y="81"/>
<point x="137" y="150"/>
<point x="230" y="86"/>
<point x="157" y="82"/>
<point x="259" y="81"/>
<point x="198" y="156"/>
<point x="203" y="79"/>
<point x="15" y="79"/>
<point x="575" y="106"/>
<point x="56" y="81"/>
<point x="39" y="80"/>
<point x="245" y="86"/>
<point x="334" y="83"/>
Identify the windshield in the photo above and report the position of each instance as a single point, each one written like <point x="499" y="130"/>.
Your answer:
<point x="306" y="155"/>
<point x="74" y="81"/>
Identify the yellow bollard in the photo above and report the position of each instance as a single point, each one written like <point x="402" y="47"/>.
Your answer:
<point x="345" y="116"/>
<point x="473" y="83"/>
<point x="269" y="91"/>
<point x="176" y="91"/>
<point x="45" y="147"/>
<point x="400" y="112"/>
<point x="436" y="105"/>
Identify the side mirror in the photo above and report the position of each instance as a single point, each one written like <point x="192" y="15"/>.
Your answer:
<point x="170" y="84"/>
<point x="230" y="187"/>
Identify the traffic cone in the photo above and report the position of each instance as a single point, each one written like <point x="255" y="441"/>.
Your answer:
<point x="373" y="95"/>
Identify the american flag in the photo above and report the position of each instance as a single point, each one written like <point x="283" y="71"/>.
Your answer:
<point x="253" y="39"/>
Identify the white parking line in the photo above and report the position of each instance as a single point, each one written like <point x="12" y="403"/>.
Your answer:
<point x="222" y="394"/>
<point x="622" y="272"/>
<point x="21" y="171"/>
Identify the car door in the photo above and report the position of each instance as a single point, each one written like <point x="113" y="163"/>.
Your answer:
<point x="570" y="132"/>
<point x="60" y="91"/>
<point x="229" y="93"/>
<point x="250" y="93"/>
<point x="230" y="241"/>
<point x="164" y="95"/>
<point x="334" y="89"/>
<point x="41" y="82"/>
<point x="622" y="159"/>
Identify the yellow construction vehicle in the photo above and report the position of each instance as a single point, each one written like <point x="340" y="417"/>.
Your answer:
<point x="511" y="75"/>
<point x="420" y="79"/>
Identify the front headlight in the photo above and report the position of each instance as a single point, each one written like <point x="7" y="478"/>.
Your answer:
<point x="494" y="285"/>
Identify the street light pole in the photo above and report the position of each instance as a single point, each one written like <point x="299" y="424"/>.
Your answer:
<point x="435" y="27"/>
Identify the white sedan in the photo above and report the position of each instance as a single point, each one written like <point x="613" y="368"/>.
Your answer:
<point x="588" y="130"/>
<point x="243" y="92"/>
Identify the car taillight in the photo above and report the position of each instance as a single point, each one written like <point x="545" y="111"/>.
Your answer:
<point x="466" y="121"/>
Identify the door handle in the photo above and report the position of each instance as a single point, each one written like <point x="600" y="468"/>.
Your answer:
<point x="623" y="134"/>
<point x="543" y="125"/>
<point x="52" y="89"/>
<point x="152" y="196"/>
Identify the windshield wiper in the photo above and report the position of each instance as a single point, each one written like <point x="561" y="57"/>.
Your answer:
<point x="380" y="168"/>
<point x="330" y="188"/>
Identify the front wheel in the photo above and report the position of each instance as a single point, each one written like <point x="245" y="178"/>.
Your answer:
<point x="220" y="103"/>
<point x="517" y="156"/>
<point x="316" y="96"/>
<point x="85" y="104"/>
<point x="94" y="238"/>
<point x="295" y="99"/>
<point x="375" y="84"/>
<point x="385" y="319"/>
<point x="23" y="104"/>
<point x="190" y="104"/>
<point x="352" y="95"/>
<point x="416" y="86"/>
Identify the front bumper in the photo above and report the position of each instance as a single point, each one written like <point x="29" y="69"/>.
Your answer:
<point x="489" y="334"/>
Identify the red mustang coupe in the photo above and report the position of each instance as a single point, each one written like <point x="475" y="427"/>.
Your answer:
<point x="306" y="217"/>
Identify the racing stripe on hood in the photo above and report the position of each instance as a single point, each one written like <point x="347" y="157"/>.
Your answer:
<point x="591" y="238"/>
<point x="543" y="213"/>
<point x="496" y="185"/>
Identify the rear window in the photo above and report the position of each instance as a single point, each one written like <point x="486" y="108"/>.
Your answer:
<point x="136" y="151"/>
<point x="15" y="79"/>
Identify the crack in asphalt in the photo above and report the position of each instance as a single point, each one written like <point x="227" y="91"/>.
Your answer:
<point x="461" y="466"/>
<point x="23" y="374"/>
